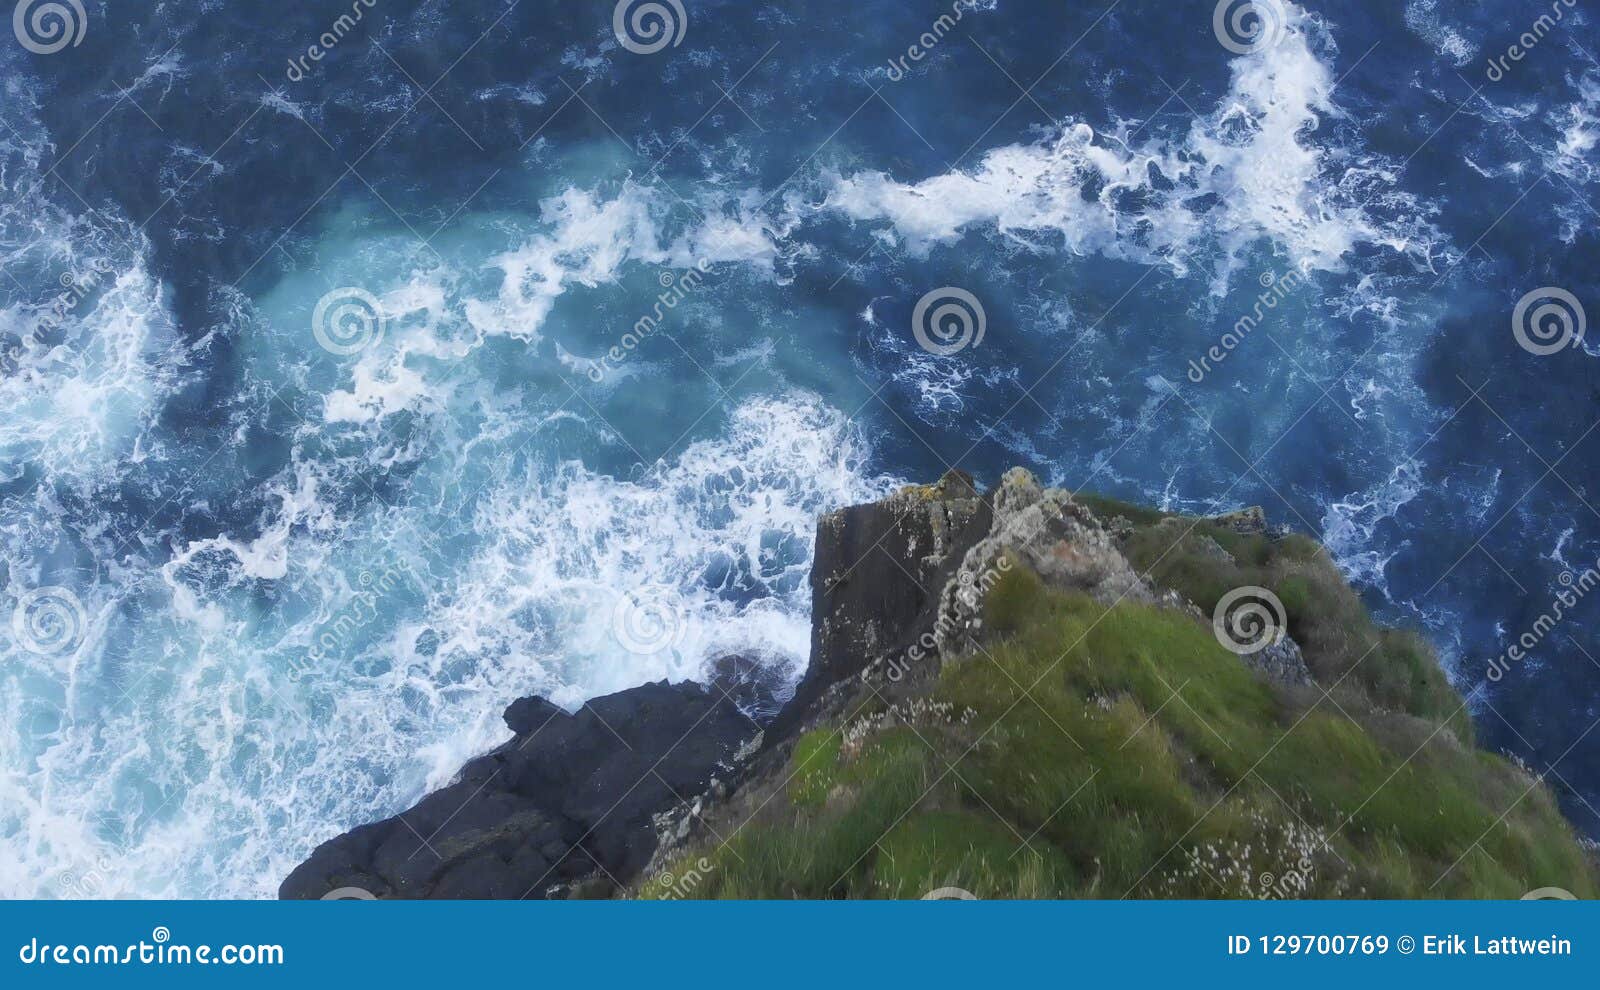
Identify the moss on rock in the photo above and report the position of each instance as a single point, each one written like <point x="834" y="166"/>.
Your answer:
<point x="1091" y="749"/>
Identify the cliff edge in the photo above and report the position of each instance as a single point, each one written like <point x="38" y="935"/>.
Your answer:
<point x="1012" y="693"/>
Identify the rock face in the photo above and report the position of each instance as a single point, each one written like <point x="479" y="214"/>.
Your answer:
<point x="903" y="579"/>
<point x="1281" y="662"/>
<point x="878" y="571"/>
<point x="565" y="808"/>
<point x="580" y="804"/>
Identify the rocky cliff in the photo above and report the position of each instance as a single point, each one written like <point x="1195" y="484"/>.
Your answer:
<point x="1015" y="693"/>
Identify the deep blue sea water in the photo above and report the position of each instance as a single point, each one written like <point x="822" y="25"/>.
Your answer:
<point x="328" y="424"/>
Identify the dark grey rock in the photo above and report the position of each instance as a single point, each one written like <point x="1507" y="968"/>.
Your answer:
<point x="1281" y="662"/>
<point x="564" y="806"/>
<point x="877" y="575"/>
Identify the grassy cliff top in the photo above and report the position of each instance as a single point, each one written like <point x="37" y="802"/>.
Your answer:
<point x="1086" y="750"/>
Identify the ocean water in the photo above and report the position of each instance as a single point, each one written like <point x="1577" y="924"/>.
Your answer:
<point x="329" y="424"/>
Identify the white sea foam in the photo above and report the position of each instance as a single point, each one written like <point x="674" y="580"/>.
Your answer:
<point x="238" y="737"/>
<point x="1250" y="170"/>
<point x="84" y="361"/>
<point x="1423" y="18"/>
<point x="1349" y="524"/>
<point x="588" y="239"/>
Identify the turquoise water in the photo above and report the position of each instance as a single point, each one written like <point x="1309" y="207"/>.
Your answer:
<point x="369" y="412"/>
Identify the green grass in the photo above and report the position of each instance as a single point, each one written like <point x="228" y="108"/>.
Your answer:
<point x="1344" y="648"/>
<point x="1125" y="753"/>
